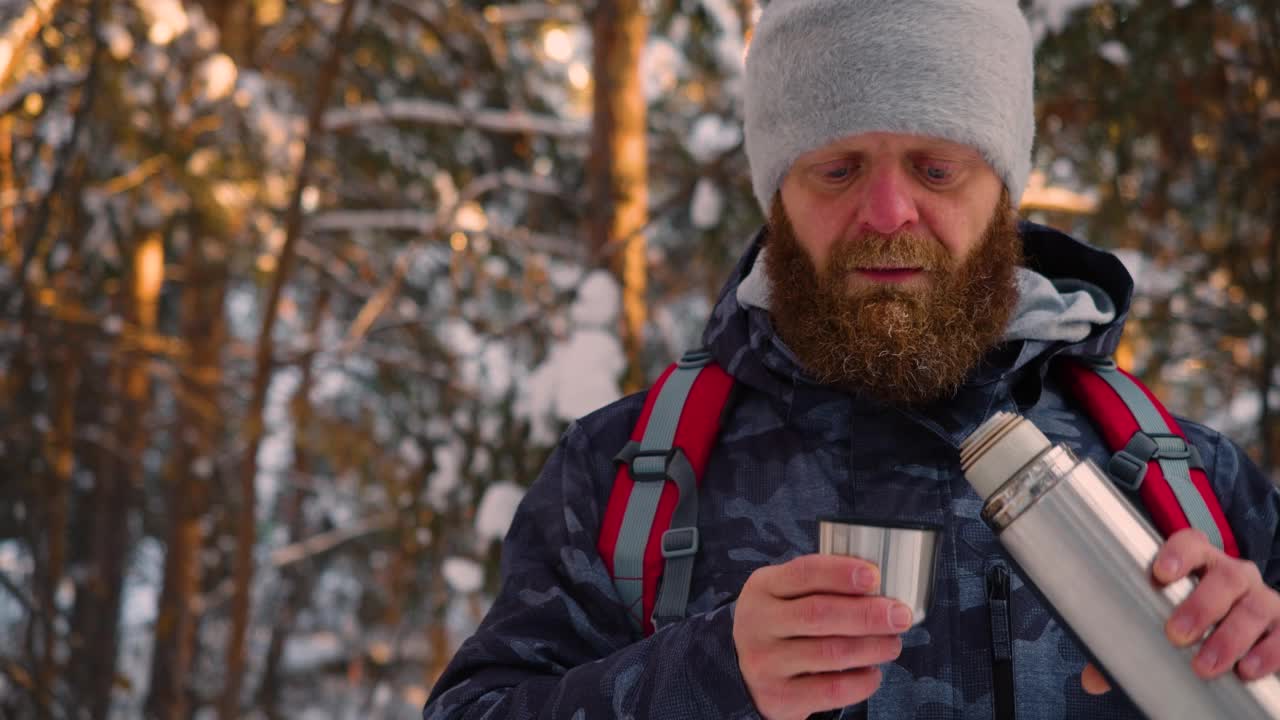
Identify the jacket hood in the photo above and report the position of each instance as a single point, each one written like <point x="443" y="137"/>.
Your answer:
<point x="742" y="339"/>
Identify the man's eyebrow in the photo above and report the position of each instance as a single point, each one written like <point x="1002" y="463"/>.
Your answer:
<point x="950" y="149"/>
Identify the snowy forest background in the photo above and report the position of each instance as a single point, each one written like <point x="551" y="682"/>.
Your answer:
<point x="295" y="296"/>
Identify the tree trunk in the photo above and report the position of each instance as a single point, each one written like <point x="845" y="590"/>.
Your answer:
<point x="619" y="166"/>
<point x="190" y="477"/>
<point x="296" y="579"/>
<point x="1269" y="426"/>
<point x="98" y="601"/>
<point x="61" y="462"/>
<point x="438" y="633"/>
<point x="10" y="251"/>
<point x="51" y="543"/>
<point x="242" y="574"/>
<point x="117" y="478"/>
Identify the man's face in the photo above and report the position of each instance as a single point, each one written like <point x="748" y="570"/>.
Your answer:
<point x="886" y="184"/>
<point x="891" y="262"/>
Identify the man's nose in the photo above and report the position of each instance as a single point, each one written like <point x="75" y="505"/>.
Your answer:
<point x="888" y="205"/>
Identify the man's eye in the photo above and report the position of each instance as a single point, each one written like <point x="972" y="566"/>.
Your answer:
<point x="936" y="173"/>
<point x="837" y="173"/>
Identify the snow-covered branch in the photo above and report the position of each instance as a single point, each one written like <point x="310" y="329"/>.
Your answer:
<point x="427" y="112"/>
<point x="426" y="223"/>
<point x="444" y="220"/>
<point x="416" y="221"/>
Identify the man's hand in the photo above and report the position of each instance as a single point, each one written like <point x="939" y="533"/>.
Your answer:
<point x="809" y="637"/>
<point x="1231" y="594"/>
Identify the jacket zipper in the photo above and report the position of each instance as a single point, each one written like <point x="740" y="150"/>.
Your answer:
<point x="1001" y="643"/>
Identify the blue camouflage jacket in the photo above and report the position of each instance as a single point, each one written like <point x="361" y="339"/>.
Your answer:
<point x="557" y="642"/>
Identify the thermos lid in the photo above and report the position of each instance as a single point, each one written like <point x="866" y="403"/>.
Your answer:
<point x="998" y="449"/>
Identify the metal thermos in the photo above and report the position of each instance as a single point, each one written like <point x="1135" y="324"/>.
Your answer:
<point x="1089" y="553"/>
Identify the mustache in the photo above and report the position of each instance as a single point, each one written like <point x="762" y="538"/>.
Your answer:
<point x="900" y="250"/>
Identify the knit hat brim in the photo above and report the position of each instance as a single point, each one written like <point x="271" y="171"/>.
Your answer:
<point x="822" y="70"/>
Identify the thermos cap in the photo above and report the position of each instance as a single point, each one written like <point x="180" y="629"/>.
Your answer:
<point x="998" y="449"/>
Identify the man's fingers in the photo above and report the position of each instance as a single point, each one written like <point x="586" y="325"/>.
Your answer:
<point x="809" y="574"/>
<point x="801" y="656"/>
<point x="1093" y="681"/>
<point x="1226" y="581"/>
<point x="1184" y="552"/>
<point x="855" y="616"/>
<point x="1263" y="659"/>
<point x="827" y="691"/>
<point x="1248" y="620"/>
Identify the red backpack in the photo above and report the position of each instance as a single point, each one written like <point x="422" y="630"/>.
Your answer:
<point x="649" y="536"/>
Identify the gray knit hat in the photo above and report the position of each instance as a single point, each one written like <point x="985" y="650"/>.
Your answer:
<point x="822" y="70"/>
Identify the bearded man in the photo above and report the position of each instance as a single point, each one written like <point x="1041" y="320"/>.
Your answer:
<point x="892" y="302"/>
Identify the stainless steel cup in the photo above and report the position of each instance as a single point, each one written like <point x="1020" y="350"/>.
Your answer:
<point x="905" y="555"/>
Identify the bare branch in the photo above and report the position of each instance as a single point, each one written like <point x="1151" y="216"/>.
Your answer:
<point x="428" y="112"/>
<point x="18" y="595"/>
<point x="332" y="266"/>
<point x="20" y="33"/>
<point x="57" y="79"/>
<point x="312" y="547"/>
<point x="13" y="197"/>
<point x="136" y="175"/>
<point x="327" y="541"/>
<point x="532" y="12"/>
<point x="64" y="155"/>
<point x="229" y="705"/>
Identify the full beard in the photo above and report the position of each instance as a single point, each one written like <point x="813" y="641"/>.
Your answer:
<point x="901" y="345"/>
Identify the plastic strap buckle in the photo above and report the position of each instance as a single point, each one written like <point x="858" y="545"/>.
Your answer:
<point x="649" y="470"/>
<point x="1129" y="466"/>
<point x="679" y="542"/>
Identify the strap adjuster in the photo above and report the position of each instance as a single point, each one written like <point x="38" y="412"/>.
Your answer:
<point x="679" y="542"/>
<point x="1129" y="466"/>
<point x="1127" y="470"/>
<point x="645" y="468"/>
<point x="694" y="359"/>
<point x="1100" y="362"/>
<point x="1172" y="447"/>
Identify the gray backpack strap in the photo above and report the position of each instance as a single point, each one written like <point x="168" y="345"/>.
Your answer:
<point x="1155" y="439"/>
<point x="652" y="461"/>
<point x="679" y="546"/>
